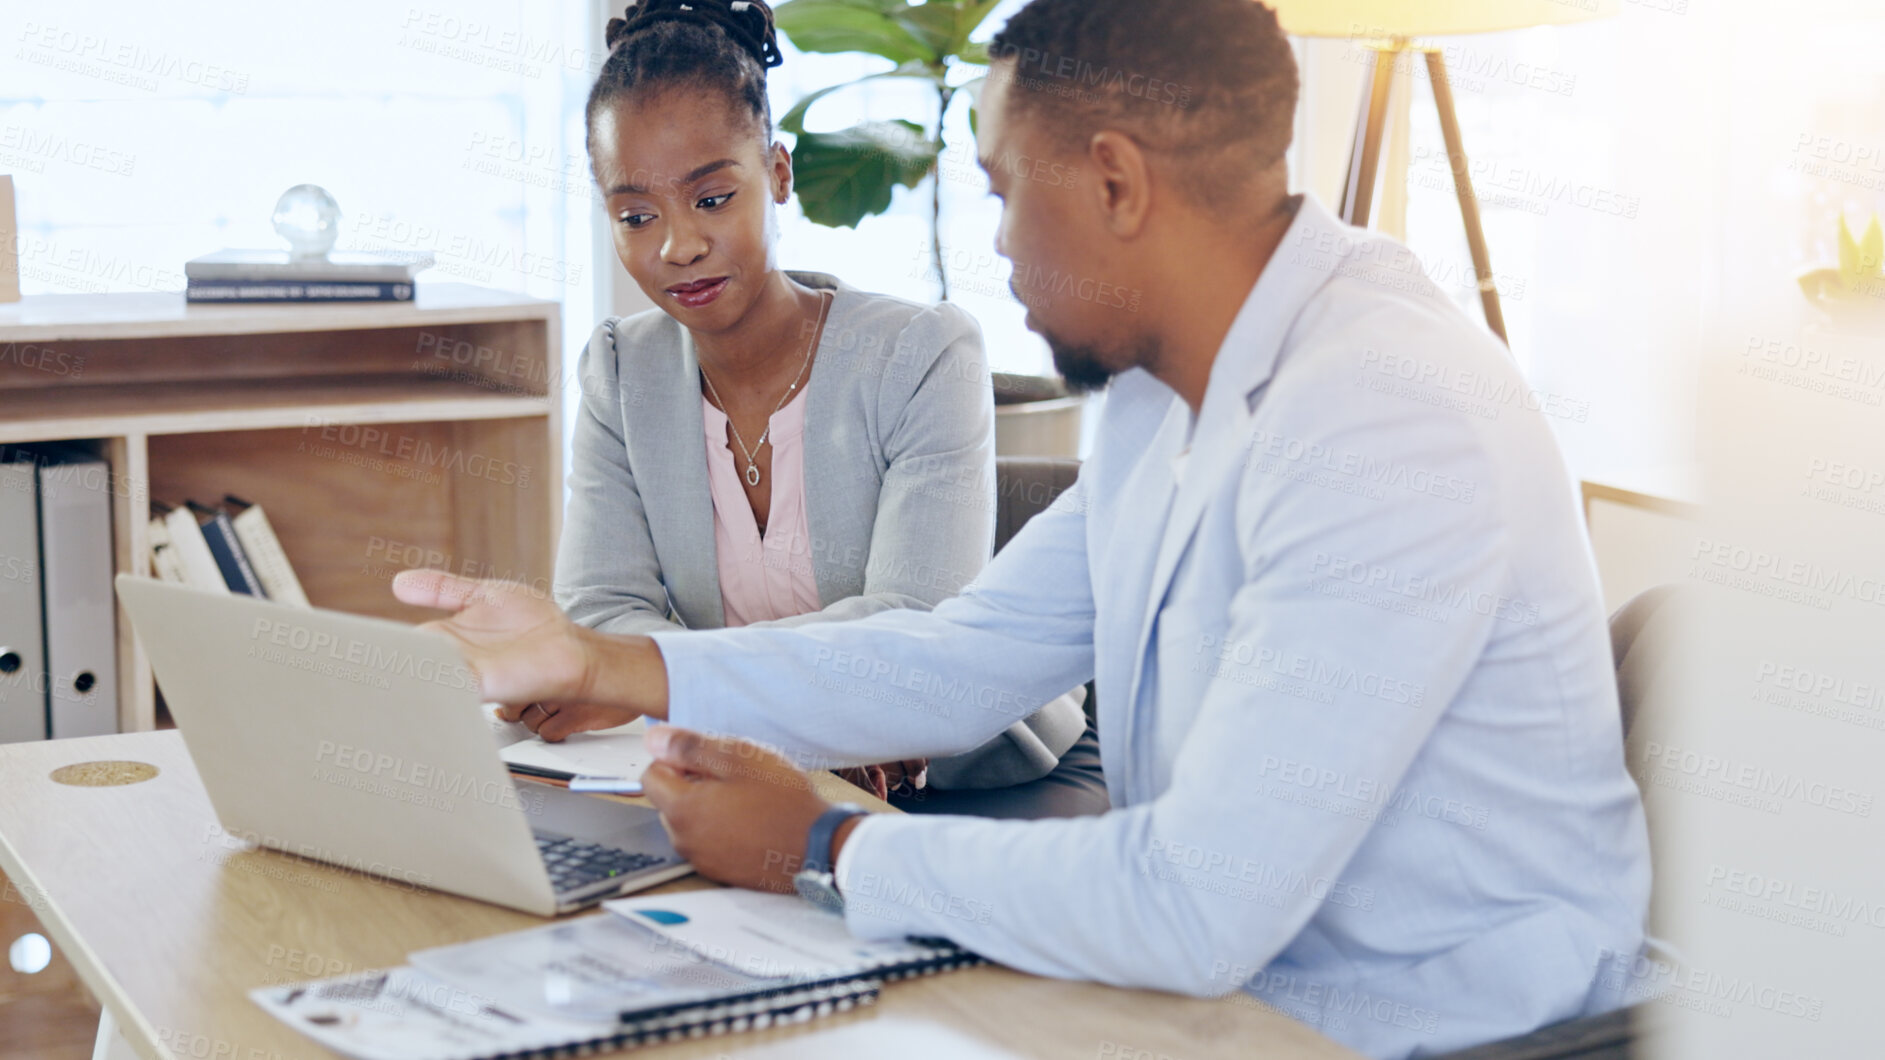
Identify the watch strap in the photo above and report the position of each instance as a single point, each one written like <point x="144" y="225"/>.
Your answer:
<point x="818" y="842"/>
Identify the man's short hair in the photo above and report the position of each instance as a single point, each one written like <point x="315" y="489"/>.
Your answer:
<point x="1210" y="83"/>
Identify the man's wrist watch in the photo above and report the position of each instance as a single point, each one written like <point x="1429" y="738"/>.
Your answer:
<point x="815" y="881"/>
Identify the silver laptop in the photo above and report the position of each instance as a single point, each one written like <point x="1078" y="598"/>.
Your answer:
<point x="363" y="743"/>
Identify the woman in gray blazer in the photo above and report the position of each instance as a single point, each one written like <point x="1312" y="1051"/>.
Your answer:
<point x="886" y="476"/>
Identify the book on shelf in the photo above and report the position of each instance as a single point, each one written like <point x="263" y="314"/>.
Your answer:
<point x="282" y="291"/>
<point x="641" y="972"/>
<point x="164" y="562"/>
<point x="231" y="558"/>
<point x="278" y="266"/>
<point x="265" y="553"/>
<point x="189" y="550"/>
<point x="207" y="548"/>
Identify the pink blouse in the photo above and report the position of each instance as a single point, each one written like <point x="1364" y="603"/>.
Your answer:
<point x="761" y="578"/>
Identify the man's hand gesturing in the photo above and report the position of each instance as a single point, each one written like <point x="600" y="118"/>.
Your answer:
<point x="739" y="812"/>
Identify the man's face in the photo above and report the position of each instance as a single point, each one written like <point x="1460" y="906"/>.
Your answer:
<point x="1066" y="263"/>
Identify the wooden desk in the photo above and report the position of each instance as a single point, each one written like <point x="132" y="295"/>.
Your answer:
<point x="171" y="924"/>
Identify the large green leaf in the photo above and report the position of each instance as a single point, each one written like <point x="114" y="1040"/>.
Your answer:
<point x="1849" y="268"/>
<point x="1871" y="250"/>
<point x="850" y="26"/>
<point x="844" y="177"/>
<point x="794" y="120"/>
<point x="974" y="13"/>
<point x="974" y="52"/>
<point x="945" y="25"/>
<point x="935" y="25"/>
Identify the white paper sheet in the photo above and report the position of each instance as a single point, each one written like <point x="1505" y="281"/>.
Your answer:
<point x="760" y="934"/>
<point x="404" y="1014"/>
<point x="589" y="968"/>
<point x="561" y="985"/>
<point x="616" y="752"/>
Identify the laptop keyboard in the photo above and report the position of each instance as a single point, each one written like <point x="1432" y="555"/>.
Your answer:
<point x="574" y="864"/>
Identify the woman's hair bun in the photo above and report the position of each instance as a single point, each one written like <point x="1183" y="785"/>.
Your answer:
<point x="747" y="22"/>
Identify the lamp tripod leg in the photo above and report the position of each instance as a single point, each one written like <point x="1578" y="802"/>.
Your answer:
<point x="1463" y="184"/>
<point x="1364" y="158"/>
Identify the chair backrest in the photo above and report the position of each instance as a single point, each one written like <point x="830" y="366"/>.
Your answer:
<point x="1615" y="1035"/>
<point x="1027" y="485"/>
<point x="1635" y="669"/>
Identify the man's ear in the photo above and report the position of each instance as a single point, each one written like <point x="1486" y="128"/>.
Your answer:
<point x="1123" y="181"/>
<point x="781" y="173"/>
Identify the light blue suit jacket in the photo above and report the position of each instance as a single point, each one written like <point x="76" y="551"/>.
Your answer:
<point x="1357" y="709"/>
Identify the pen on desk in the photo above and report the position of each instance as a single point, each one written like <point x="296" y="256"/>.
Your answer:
<point x="606" y="785"/>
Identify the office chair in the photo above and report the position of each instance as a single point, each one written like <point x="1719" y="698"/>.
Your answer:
<point x="1025" y="487"/>
<point x="1613" y="1035"/>
<point x="1634" y="669"/>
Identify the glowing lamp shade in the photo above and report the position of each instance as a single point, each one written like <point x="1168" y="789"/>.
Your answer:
<point x="1430" y="18"/>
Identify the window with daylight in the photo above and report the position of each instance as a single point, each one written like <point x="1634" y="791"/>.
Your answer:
<point x="140" y="138"/>
<point x="1603" y="159"/>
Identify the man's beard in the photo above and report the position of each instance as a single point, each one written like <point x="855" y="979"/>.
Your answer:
<point x="1085" y="369"/>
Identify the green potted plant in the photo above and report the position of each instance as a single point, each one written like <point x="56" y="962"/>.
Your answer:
<point x="1849" y="298"/>
<point x="1855" y="288"/>
<point x="846" y="176"/>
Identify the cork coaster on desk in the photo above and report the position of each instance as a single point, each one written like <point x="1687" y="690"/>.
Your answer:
<point x="103" y="774"/>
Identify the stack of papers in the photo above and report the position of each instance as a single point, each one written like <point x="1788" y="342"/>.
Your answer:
<point x="648" y="969"/>
<point x="617" y="752"/>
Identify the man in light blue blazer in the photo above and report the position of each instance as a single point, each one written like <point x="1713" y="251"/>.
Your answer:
<point x="1356" y="703"/>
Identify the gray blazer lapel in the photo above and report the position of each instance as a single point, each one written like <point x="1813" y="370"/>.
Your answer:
<point x="680" y="503"/>
<point x="841" y="462"/>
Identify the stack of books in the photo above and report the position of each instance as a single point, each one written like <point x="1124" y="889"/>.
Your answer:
<point x="229" y="548"/>
<point x="275" y="276"/>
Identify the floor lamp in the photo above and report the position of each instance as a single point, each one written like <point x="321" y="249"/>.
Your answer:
<point x="1386" y="30"/>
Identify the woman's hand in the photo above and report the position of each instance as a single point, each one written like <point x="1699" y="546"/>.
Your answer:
<point x="554" y="676"/>
<point x="869" y="778"/>
<point x="903" y="778"/>
<point x="908" y="776"/>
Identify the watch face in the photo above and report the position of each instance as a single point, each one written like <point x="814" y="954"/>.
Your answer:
<point x="819" y="889"/>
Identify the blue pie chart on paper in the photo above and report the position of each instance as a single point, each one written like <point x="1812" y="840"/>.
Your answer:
<point x="662" y="916"/>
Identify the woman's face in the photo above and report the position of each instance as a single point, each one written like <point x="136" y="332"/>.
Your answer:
<point x="689" y="184"/>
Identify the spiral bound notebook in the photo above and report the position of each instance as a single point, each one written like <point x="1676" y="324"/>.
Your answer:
<point x="780" y="936"/>
<point x="614" y="980"/>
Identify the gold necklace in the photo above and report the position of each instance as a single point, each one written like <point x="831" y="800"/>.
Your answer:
<point x="751" y="455"/>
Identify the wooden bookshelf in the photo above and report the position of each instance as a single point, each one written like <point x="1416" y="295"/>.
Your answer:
<point x="375" y="435"/>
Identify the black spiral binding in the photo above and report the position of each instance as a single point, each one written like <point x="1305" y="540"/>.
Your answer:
<point x="785" y="1004"/>
<point x="777" y="1007"/>
<point x="945" y="956"/>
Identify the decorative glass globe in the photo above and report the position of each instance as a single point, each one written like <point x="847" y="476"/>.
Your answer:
<point x="309" y="219"/>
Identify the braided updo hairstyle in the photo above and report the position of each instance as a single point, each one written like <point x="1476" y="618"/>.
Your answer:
<point x="722" y="45"/>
